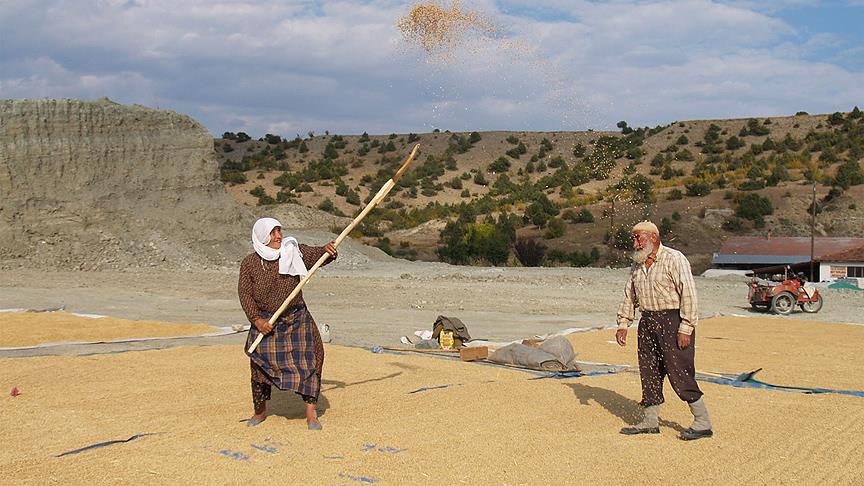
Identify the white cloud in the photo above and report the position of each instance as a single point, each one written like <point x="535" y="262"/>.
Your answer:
<point x="290" y="67"/>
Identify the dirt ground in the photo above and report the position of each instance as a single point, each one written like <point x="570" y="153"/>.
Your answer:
<point x="408" y="419"/>
<point x="374" y="302"/>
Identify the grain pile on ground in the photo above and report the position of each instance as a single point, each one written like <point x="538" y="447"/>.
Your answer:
<point x="407" y="419"/>
<point x="19" y="329"/>
<point x="791" y="352"/>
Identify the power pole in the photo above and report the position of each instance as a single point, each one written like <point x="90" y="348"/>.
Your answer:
<point x="612" y="229"/>
<point x="812" y="233"/>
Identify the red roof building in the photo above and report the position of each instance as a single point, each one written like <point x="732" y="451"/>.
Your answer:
<point x="833" y="258"/>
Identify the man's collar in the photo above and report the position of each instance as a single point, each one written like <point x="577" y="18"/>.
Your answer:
<point x="656" y="256"/>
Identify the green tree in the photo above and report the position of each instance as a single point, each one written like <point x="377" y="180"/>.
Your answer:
<point x="698" y="188"/>
<point x="530" y="252"/>
<point x="500" y="165"/>
<point x="849" y="174"/>
<point x="754" y="207"/>
<point x="541" y="210"/>
<point x="555" y="228"/>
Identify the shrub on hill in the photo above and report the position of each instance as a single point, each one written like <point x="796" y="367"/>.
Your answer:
<point x="555" y="228"/>
<point x="734" y="143"/>
<point x="698" y="188"/>
<point x="733" y="224"/>
<point x="583" y="216"/>
<point x="263" y="198"/>
<point x="754" y="207"/>
<point x="517" y="151"/>
<point x="849" y="174"/>
<point x="530" y="252"/>
<point x="579" y="151"/>
<point x="500" y="165"/>
<point x="754" y="128"/>
<point x="541" y="210"/>
<point x="620" y="238"/>
<point x="232" y="177"/>
<point x="465" y="241"/>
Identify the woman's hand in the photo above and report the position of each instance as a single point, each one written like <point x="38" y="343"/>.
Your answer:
<point x="331" y="249"/>
<point x="263" y="326"/>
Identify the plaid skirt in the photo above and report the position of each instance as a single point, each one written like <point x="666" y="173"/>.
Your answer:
<point x="292" y="354"/>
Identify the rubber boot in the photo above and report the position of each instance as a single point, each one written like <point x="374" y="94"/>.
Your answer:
<point x="650" y="423"/>
<point x="701" y="422"/>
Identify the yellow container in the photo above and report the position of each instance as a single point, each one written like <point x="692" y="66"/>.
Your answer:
<point x="446" y="340"/>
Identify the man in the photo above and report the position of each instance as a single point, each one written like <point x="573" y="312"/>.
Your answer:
<point x="661" y="286"/>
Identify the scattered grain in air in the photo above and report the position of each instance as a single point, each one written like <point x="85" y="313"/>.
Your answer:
<point x="438" y="26"/>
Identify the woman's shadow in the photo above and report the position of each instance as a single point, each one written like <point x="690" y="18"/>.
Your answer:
<point x="629" y="411"/>
<point x="290" y="405"/>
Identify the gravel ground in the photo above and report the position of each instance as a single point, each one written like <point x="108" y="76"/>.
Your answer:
<point x="374" y="302"/>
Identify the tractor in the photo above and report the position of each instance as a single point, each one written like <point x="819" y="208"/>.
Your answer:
<point x="782" y="297"/>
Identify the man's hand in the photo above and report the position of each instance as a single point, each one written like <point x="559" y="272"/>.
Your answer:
<point x="621" y="337"/>
<point x="331" y="249"/>
<point x="683" y="340"/>
<point x="263" y="326"/>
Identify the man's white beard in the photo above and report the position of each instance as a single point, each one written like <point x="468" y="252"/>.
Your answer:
<point x="639" y="256"/>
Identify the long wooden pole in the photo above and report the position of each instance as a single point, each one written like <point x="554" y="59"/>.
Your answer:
<point x="348" y="229"/>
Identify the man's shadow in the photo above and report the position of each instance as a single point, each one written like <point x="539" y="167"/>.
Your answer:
<point x="629" y="411"/>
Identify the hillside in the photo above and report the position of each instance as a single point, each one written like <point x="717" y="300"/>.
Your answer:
<point x="704" y="180"/>
<point x="97" y="185"/>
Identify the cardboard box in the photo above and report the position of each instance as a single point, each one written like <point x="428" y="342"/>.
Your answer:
<point x="472" y="354"/>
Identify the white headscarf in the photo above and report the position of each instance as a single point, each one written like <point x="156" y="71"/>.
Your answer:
<point x="290" y="258"/>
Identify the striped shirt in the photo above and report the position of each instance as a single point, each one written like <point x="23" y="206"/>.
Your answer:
<point x="667" y="284"/>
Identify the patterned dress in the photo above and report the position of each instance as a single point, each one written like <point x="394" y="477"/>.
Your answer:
<point x="291" y="357"/>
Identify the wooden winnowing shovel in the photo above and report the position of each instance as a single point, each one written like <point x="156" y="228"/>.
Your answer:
<point x="369" y="207"/>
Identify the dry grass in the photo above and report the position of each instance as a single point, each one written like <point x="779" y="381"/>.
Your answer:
<point x="492" y="425"/>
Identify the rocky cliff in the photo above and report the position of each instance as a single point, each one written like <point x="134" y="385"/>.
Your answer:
<point x="96" y="184"/>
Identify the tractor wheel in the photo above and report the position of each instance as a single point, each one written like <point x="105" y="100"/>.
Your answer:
<point x="812" y="307"/>
<point x="783" y="303"/>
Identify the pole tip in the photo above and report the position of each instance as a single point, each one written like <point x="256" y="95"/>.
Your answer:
<point x="407" y="162"/>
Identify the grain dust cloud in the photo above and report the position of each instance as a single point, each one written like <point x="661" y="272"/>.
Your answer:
<point x="472" y="60"/>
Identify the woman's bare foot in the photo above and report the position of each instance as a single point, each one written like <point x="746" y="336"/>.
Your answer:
<point x="312" y="417"/>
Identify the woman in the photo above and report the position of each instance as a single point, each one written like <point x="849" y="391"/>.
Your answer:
<point x="292" y="355"/>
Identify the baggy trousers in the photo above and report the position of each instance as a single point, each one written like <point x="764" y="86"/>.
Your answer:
<point x="659" y="356"/>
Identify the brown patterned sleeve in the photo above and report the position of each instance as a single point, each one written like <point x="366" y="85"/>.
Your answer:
<point x="311" y="254"/>
<point x="245" y="290"/>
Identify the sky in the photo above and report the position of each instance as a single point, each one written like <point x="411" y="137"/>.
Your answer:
<point x="293" y="67"/>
